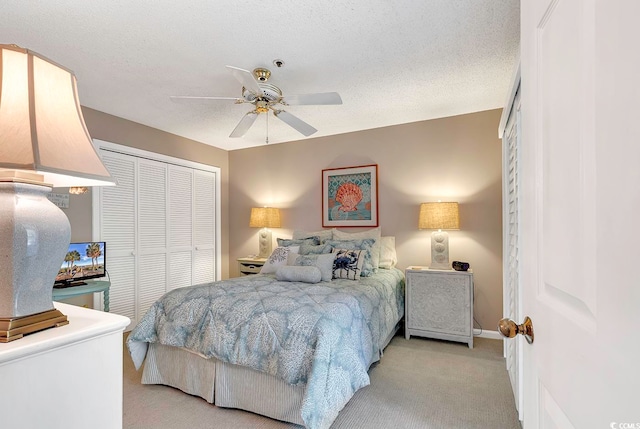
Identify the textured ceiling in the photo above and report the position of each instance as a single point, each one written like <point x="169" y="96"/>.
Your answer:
<point x="392" y="62"/>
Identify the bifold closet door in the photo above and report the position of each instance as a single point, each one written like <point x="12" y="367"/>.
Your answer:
<point x="118" y="229"/>
<point x="181" y="213"/>
<point x="152" y="233"/>
<point x="204" y="219"/>
<point x="160" y="227"/>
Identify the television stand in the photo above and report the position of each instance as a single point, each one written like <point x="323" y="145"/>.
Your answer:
<point x="82" y="289"/>
<point x="68" y="284"/>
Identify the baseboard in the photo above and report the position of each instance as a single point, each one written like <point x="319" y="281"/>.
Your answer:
<point x="494" y="335"/>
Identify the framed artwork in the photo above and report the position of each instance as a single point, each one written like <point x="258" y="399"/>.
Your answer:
<point x="350" y="196"/>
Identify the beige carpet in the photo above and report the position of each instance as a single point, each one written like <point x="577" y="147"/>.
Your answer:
<point x="419" y="384"/>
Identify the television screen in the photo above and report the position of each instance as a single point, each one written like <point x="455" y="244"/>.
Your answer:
<point x="83" y="261"/>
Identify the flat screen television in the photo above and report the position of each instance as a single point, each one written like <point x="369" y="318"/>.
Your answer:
<point x="83" y="261"/>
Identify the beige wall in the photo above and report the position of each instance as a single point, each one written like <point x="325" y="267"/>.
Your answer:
<point x="451" y="159"/>
<point x="117" y="130"/>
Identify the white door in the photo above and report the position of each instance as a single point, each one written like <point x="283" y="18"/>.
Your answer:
<point x="580" y="205"/>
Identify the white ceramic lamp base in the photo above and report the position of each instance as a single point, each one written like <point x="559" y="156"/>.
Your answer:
<point x="34" y="236"/>
<point x="440" y="251"/>
<point x="265" y="245"/>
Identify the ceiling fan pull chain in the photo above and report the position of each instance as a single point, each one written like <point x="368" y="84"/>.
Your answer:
<point x="267" y="139"/>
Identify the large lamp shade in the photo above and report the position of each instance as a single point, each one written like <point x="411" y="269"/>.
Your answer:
<point x="43" y="143"/>
<point x="439" y="216"/>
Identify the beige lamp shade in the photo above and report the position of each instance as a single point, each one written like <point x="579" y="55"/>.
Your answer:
<point x="43" y="142"/>
<point x="441" y="215"/>
<point x="265" y="217"/>
<point x="41" y="125"/>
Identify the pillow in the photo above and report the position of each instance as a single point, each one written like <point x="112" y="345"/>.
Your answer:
<point x="312" y="249"/>
<point x="289" y="273"/>
<point x="371" y="233"/>
<point x="297" y="242"/>
<point x="324" y="262"/>
<point x="388" y="256"/>
<point x="348" y="264"/>
<point x="366" y="245"/>
<point x="278" y="258"/>
<point x="325" y="234"/>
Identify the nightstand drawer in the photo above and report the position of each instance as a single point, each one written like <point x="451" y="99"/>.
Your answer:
<point x="248" y="266"/>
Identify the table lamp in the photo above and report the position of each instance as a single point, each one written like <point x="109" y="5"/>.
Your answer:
<point x="439" y="216"/>
<point x="265" y="218"/>
<point x="43" y="143"/>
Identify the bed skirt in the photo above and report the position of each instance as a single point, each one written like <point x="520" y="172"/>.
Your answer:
<point x="223" y="384"/>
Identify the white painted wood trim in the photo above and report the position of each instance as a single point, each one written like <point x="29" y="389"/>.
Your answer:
<point x="494" y="335"/>
<point x="506" y="110"/>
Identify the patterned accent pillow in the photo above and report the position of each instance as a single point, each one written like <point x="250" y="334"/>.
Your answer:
<point x="289" y="273"/>
<point x="278" y="258"/>
<point x="324" y="234"/>
<point x="348" y="264"/>
<point x="324" y="262"/>
<point x="311" y="249"/>
<point x="285" y="242"/>
<point x="366" y="245"/>
<point x="374" y="233"/>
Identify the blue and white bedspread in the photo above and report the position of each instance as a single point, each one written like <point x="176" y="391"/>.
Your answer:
<point x="323" y="336"/>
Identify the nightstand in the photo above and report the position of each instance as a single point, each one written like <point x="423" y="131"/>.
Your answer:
<point x="248" y="266"/>
<point x="439" y="304"/>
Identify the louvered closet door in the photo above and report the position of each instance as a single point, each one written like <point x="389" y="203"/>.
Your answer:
<point x="118" y="224"/>
<point x="204" y="226"/>
<point x="180" y="251"/>
<point x="152" y="232"/>
<point x="160" y="227"/>
<point x="511" y="157"/>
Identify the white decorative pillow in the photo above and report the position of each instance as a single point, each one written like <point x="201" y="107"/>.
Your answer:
<point x="371" y="233"/>
<point x="348" y="263"/>
<point x="388" y="256"/>
<point x="324" y="262"/>
<point x="291" y="273"/>
<point x="278" y="258"/>
<point x="325" y="234"/>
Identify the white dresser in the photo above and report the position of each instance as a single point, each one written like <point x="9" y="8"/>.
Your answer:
<point x="439" y="304"/>
<point x="68" y="377"/>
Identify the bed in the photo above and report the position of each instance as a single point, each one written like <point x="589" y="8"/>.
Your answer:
<point x="289" y="350"/>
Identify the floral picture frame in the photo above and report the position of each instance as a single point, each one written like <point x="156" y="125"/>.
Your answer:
<point x="350" y="196"/>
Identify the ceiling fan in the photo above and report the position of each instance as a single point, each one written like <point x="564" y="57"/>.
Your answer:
<point x="265" y="97"/>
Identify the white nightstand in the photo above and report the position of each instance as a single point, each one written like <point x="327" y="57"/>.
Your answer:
<point x="248" y="266"/>
<point x="439" y="304"/>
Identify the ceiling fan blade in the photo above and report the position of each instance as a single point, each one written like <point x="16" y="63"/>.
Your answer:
<point x="182" y="98"/>
<point x="295" y="122"/>
<point x="323" y="98"/>
<point x="244" y="124"/>
<point x="245" y="77"/>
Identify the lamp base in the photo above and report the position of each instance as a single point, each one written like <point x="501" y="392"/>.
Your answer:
<point x="16" y="327"/>
<point x="440" y="251"/>
<point x="265" y="243"/>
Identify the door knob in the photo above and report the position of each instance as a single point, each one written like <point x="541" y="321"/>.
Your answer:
<point x="508" y="328"/>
